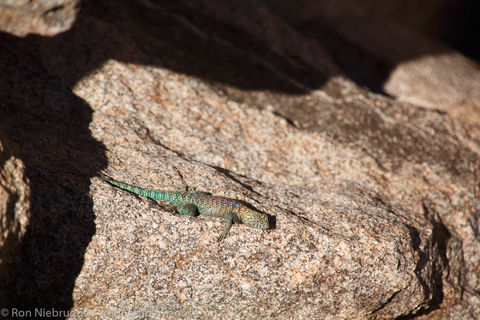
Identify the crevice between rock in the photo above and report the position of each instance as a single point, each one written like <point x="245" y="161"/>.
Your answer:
<point x="431" y="264"/>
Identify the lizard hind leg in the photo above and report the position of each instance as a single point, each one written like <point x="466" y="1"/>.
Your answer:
<point x="188" y="209"/>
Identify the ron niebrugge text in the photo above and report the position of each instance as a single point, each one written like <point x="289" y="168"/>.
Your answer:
<point x="54" y="313"/>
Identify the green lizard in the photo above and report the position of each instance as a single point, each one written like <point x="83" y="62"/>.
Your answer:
<point x="198" y="202"/>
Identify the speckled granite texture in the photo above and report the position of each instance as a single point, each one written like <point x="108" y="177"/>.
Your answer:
<point x="44" y="17"/>
<point x="375" y="200"/>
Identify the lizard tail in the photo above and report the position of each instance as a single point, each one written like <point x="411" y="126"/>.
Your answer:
<point x="152" y="194"/>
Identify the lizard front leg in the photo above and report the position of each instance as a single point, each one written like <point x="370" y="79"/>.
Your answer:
<point x="230" y="218"/>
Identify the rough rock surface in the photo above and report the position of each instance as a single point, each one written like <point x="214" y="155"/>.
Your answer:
<point x="45" y="17"/>
<point x="375" y="200"/>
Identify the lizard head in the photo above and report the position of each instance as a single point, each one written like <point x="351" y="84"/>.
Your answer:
<point x="254" y="219"/>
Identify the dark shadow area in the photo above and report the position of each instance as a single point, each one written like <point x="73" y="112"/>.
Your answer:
<point x="45" y="125"/>
<point x="437" y="257"/>
<point x="272" y="221"/>
<point x="368" y="51"/>
<point x="460" y="28"/>
<point x="354" y="60"/>
<point x="188" y="39"/>
<point x="368" y="40"/>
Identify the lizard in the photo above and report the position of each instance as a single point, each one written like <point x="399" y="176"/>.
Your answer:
<point x="196" y="202"/>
